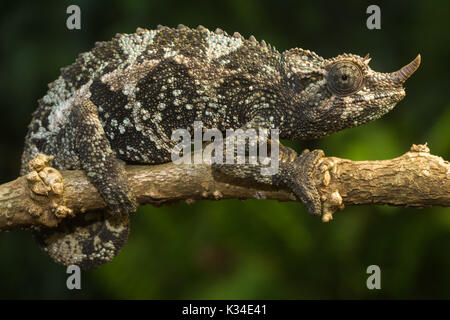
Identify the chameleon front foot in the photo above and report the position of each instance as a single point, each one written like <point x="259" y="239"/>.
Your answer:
<point x="297" y="176"/>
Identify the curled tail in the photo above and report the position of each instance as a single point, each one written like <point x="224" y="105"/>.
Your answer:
<point x="88" y="240"/>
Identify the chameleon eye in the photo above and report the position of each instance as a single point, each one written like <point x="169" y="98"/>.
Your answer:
<point x="344" y="78"/>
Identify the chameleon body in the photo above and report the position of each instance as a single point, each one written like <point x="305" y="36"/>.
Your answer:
<point x="120" y="102"/>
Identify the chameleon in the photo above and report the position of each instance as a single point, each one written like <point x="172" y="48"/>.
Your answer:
<point x="120" y="102"/>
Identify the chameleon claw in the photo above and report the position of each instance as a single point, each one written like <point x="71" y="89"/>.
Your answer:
<point x="46" y="184"/>
<point x="331" y="205"/>
<point x="43" y="179"/>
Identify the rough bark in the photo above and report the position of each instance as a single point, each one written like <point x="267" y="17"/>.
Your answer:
<point x="415" y="179"/>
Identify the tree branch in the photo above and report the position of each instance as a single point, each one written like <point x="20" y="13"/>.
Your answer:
<point x="416" y="179"/>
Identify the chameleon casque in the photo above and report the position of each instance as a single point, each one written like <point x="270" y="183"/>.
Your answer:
<point x="120" y="102"/>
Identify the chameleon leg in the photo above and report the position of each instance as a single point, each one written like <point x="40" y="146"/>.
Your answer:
<point x="99" y="161"/>
<point x="92" y="238"/>
<point x="286" y="154"/>
<point x="294" y="173"/>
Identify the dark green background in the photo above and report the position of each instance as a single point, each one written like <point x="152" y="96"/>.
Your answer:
<point x="252" y="249"/>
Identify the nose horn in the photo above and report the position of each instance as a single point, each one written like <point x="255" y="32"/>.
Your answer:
<point x="404" y="73"/>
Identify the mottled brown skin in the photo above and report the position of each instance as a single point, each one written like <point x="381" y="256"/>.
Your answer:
<point x="120" y="103"/>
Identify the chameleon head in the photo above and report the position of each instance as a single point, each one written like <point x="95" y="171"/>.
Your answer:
<point x="344" y="92"/>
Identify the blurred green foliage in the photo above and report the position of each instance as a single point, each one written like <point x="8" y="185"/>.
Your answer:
<point x="252" y="249"/>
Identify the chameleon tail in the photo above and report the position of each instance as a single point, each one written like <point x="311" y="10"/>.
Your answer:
<point x="88" y="240"/>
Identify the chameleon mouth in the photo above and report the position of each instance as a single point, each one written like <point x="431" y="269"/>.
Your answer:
<point x="399" y="93"/>
<point x="396" y="94"/>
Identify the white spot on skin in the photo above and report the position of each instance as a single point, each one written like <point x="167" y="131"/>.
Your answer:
<point x="168" y="53"/>
<point x="63" y="103"/>
<point x="134" y="44"/>
<point x="220" y="45"/>
<point x="348" y="100"/>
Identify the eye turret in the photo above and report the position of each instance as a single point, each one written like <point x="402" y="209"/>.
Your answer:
<point x="344" y="78"/>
